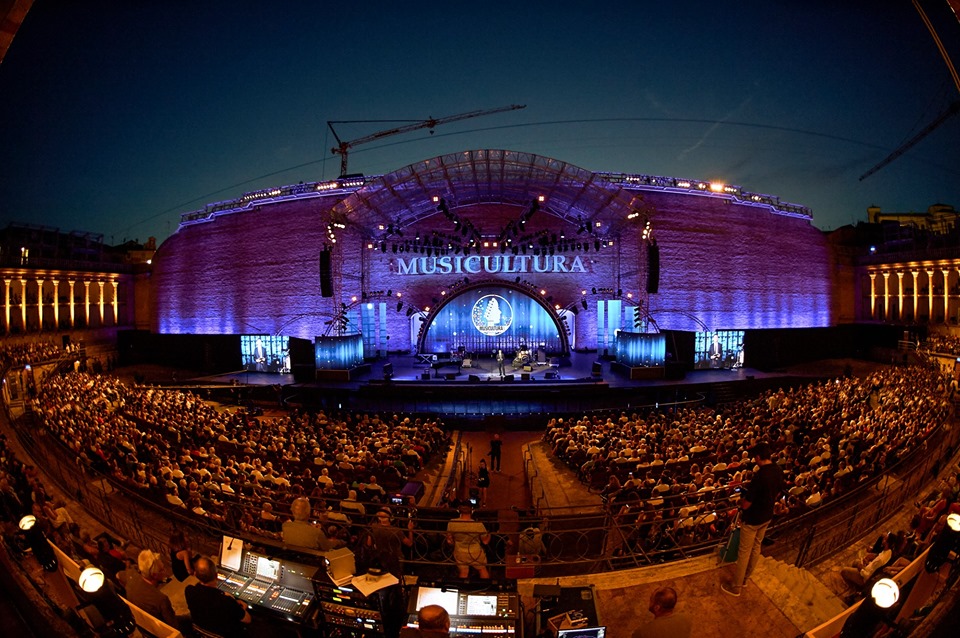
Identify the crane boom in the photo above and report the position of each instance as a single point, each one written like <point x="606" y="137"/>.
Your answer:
<point x="343" y="148"/>
<point x="952" y="110"/>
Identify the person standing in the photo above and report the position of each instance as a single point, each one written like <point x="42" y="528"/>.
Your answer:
<point x="756" y="504"/>
<point x="496" y="449"/>
<point x="500" y="362"/>
<point x="181" y="558"/>
<point x="665" y="623"/>
<point x="468" y="538"/>
<point x="483" y="481"/>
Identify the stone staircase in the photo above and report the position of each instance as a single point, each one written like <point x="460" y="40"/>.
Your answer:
<point x="803" y="599"/>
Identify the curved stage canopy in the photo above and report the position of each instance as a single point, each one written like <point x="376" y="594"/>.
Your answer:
<point x="590" y="251"/>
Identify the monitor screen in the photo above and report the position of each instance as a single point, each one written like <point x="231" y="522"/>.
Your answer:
<point x="267" y="568"/>
<point x="478" y="605"/>
<point x="231" y="553"/>
<point x="585" y="632"/>
<point x="446" y="598"/>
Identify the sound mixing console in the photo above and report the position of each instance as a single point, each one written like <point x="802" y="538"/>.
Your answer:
<point x="489" y="613"/>
<point x="281" y="588"/>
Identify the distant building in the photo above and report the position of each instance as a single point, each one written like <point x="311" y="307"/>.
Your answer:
<point x="939" y="218"/>
<point x="54" y="280"/>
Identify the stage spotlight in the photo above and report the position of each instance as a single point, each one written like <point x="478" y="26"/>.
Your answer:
<point x="583" y="302"/>
<point x="594" y="290"/>
<point x="399" y="306"/>
<point x="42" y="551"/>
<point x="596" y="244"/>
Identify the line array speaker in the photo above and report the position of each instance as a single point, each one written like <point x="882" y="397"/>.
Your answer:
<point x="326" y="281"/>
<point x="653" y="268"/>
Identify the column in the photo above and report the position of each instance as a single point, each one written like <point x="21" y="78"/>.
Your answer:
<point x="916" y="293"/>
<point x="100" y="301"/>
<point x="86" y="303"/>
<point x="873" y="295"/>
<point x="23" y="303"/>
<point x="116" y="303"/>
<point x="6" y="303"/>
<point x="40" y="303"/>
<point x="72" y="314"/>
<point x="900" y="295"/>
<point x="56" y="303"/>
<point x="930" y="296"/>
<point x="886" y="296"/>
<point x="946" y="295"/>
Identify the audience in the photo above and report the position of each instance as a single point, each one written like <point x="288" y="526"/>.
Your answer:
<point x="670" y="477"/>
<point x="827" y="437"/>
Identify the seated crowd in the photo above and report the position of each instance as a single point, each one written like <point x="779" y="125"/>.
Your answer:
<point x="229" y="467"/>
<point x="895" y="550"/>
<point x="28" y="350"/>
<point x="674" y="475"/>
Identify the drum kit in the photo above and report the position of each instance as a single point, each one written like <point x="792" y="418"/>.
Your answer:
<point x="522" y="358"/>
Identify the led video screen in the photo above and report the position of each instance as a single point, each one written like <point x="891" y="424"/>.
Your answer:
<point x="265" y="353"/>
<point x="722" y="349"/>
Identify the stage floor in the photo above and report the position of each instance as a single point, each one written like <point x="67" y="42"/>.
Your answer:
<point x="577" y="368"/>
<point x="479" y="394"/>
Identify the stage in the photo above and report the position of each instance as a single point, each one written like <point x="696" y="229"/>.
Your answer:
<point x="478" y="393"/>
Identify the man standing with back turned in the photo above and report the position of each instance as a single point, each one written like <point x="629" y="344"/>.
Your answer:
<point x="756" y="503"/>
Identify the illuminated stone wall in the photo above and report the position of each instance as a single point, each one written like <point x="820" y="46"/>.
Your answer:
<point x="724" y="265"/>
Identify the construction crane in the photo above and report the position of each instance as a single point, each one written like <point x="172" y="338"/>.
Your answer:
<point x="343" y="148"/>
<point x="951" y="110"/>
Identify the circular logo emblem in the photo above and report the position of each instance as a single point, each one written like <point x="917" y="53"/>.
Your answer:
<point x="492" y="315"/>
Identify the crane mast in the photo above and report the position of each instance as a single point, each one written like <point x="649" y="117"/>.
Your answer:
<point x="343" y="147"/>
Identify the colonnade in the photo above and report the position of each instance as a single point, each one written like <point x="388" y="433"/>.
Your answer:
<point x="915" y="291"/>
<point x="98" y="300"/>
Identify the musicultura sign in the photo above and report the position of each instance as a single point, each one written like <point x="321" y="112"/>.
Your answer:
<point x="491" y="264"/>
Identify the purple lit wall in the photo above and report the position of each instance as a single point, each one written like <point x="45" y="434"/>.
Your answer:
<point x="736" y="266"/>
<point x="723" y="265"/>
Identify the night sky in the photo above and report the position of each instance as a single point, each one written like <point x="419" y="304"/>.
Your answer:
<point x="116" y="117"/>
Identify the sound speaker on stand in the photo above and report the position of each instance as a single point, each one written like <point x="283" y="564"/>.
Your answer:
<point x="326" y="281"/>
